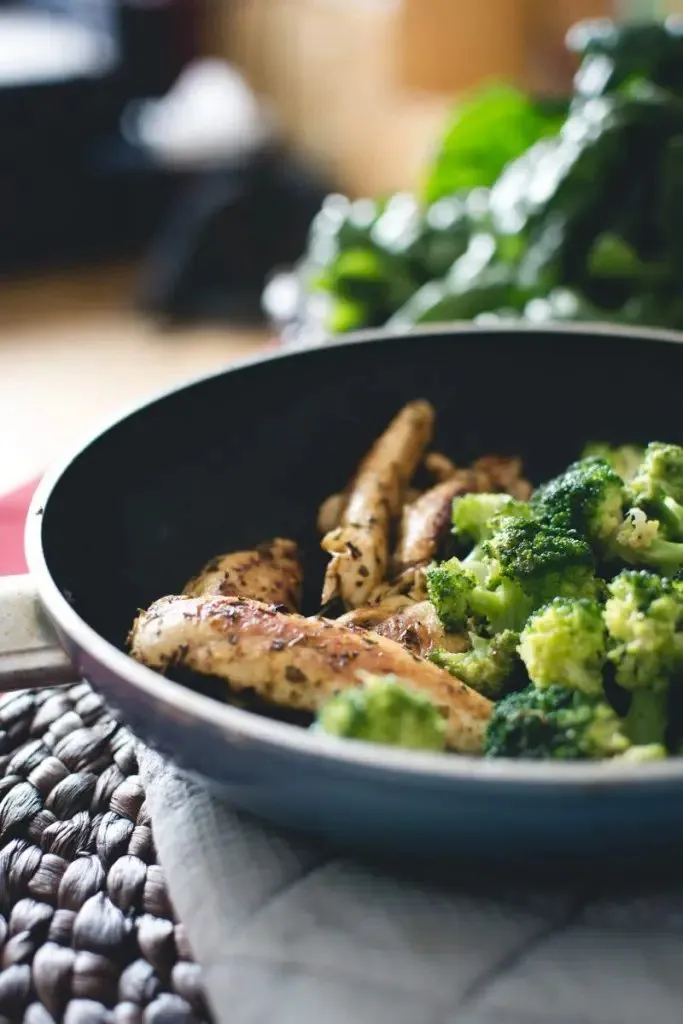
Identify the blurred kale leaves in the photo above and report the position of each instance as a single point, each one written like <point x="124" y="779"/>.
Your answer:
<point x="531" y="210"/>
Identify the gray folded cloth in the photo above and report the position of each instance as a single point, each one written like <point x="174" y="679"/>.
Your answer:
<point x="287" y="934"/>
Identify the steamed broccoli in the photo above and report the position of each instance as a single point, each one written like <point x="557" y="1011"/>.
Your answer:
<point x="624" y="459"/>
<point x="477" y="516"/>
<point x="544" y="561"/>
<point x="383" y="710"/>
<point x="461" y="591"/>
<point x="640" y="541"/>
<point x="564" y="643"/>
<point x="555" y="724"/>
<point x="644" y="619"/>
<point x="588" y="498"/>
<point x="449" y="586"/>
<point x="486" y="666"/>
<point x="591" y="499"/>
<point x="661" y="470"/>
<point x="657" y="488"/>
<point x="643" y="752"/>
<point x="503" y="579"/>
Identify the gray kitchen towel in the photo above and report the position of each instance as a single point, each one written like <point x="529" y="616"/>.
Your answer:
<point x="288" y="935"/>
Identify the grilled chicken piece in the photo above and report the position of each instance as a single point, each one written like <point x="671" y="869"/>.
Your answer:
<point x="360" y="545"/>
<point x="426" y="522"/>
<point x="410" y="585"/>
<point x="415" y="626"/>
<point x="505" y="474"/>
<point x="373" y="615"/>
<point x="440" y="466"/>
<point x="270" y="573"/>
<point x="294" y="661"/>
<point x="331" y="512"/>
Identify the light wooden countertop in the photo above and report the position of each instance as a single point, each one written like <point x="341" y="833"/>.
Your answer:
<point x="73" y="354"/>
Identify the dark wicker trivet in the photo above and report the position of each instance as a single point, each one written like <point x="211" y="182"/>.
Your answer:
<point x="87" y="931"/>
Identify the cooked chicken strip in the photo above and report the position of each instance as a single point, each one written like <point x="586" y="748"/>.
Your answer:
<point x="415" y="626"/>
<point x="373" y="615"/>
<point x="410" y="586"/>
<point x="440" y="466"/>
<point x="331" y="512"/>
<point x="270" y="573"/>
<point x="418" y="628"/>
<point x="425" y="523"/>
<point x="294" y="661"/>
<point x="360" y="545"/>
<point x="505" y="474"/>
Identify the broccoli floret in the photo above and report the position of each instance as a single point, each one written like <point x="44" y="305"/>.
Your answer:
<point x="564" y="643"/>
<point x="657" y="488"/>
<point x="587" y="498"/>
<point x="660" y="471"/>
<point x="472" y="589"/>
<point x="644" y="619"/>
<point x="590" y="499"/>
<point x="477" y="516"/>
<point x="555" y="724"/>
<point x="383" y="710"/>
<point x="449" y="586"/>
<point x="639" y="541"/>
<point x="487" y="666"/>
<point x="624" y="459"/>
<point x="643" y="752"/>
<point x="502" y="606"/>
<point x="669" y="514"/>
<point x="545" y="562"/>
<point x="522" y="566"/>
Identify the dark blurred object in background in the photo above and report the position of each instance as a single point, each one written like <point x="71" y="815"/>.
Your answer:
<point x="119" y="140"/>
<point x="72" y="189"/>
<point x="223" y="239"/>
<point x="246" y="203"/>
<point x="157" y="38"/>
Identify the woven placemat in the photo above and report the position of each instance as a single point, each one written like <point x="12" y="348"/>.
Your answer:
<point x="87" y="930"/>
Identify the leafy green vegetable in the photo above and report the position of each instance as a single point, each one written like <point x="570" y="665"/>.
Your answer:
<point x="526" y="211"/>
<point x="459" y="298"/>
<point x="489" y="129"/>
<point x="615" y="54"/>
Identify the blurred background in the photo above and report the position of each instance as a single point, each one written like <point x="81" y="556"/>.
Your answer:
<point x="159" y="158"/>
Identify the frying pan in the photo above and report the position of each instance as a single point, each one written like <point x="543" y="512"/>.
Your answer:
<point x="233" y="458"/>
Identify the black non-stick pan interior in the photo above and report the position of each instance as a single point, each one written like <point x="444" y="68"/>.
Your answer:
<point x="235" y="459"/>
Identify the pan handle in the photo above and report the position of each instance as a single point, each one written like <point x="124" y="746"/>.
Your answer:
<point x="30" y="653"/>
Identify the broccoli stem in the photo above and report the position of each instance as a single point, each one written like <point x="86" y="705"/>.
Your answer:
<point x="506" y="607"/>
<point x="664" y="556"/>
<point x="646" y="719"/>
<point x="670" y="515"/>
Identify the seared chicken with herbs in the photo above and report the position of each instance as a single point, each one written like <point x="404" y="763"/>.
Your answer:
<point x="359" y="546"/>
<point x="270" y="573"/>
<point x="504" y="474"/>
<point x="427" y="521"/>
<point x="415" y="625"/>
<point x="237" y="618"/>
<point x="294" y="661"/>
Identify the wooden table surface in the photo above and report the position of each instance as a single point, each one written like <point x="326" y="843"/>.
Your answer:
<point x="73" y="354"/>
